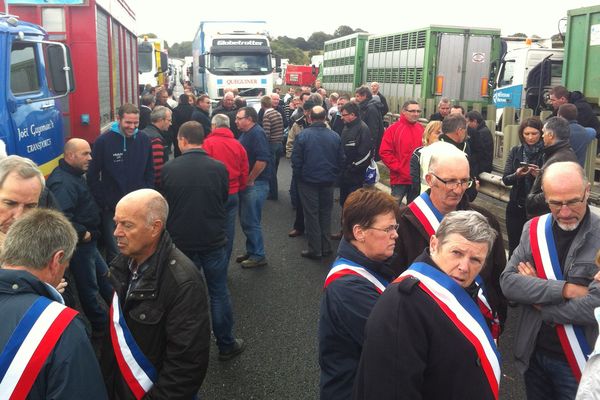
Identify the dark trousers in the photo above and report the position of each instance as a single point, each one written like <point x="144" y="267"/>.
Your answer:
<point x="317" y="202"/>
<point x="346" y="188"/>
<point x="516" y="216"/>
<point x="276" y="153"/>
<point x="549" y="379"/>
<point x="297" y="202"/>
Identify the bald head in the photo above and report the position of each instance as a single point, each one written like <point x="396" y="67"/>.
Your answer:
<point x="318" y="114"/>
<point x="78" y="154"/>
<point x="444" y="155"/>
<point x="150" y="202"/>
<point x="564" y="173"/>
<point x="566" y="192"/>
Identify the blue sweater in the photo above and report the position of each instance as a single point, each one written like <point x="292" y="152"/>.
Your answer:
<point x="119" y="166"/>
<point x="257" y="146"/>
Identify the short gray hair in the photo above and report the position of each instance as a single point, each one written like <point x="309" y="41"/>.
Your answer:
<point x="469" y="224"/>
<point x="559" y="127"/>
<point x="221" y="121"/>
<point x="158" y="209"/>
<point x="158" y="113"/>
<point x="24" y="167"/>
<point x="33" y="239"/>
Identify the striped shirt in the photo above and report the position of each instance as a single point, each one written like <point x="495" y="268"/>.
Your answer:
<point x="273" y="125"/>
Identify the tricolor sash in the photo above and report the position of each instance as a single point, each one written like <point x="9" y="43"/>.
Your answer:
<point x="426" y="213"/>
<point x="545" y="257"/>
<point x="342" y="267"/>
<point x="460" y="308"/>
<point x="137" y="370"/>
<point x="29" y="346"/>
<point x="486" y="309"/>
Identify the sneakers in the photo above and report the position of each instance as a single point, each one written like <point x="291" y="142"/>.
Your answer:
<point x="250" y="263"/>
<point x="238" y="347"/>
<point x="241" y="258"/>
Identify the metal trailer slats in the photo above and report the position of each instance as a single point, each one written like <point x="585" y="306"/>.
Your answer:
<point x="103" y="68"/>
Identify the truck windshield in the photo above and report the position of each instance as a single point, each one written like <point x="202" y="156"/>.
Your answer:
<point x="145" y="53"/>
<point x="240" y="64"/>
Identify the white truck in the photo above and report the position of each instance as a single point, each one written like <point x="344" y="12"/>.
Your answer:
<point x="232" y="54"/>
<point x="524" y="76"/>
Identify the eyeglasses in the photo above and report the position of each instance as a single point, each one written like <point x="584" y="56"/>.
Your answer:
<point x="413" y="111"/>
<point x="388" y="230"/>
<point x="344" y="115"/>
<point x="238" y="118"/>
<point x="466" y="183"/>
<point x="558" y="205"/>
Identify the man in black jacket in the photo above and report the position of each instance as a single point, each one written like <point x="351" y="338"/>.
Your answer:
<point x="556" y="134"/>
<point x="559" y="95"/>
<point x="159" y="310"/>
<point x="201" y="114"/>
<point x="370" y="113"/>
<point x="196" y="187"/>
<point x="77" y="203"/>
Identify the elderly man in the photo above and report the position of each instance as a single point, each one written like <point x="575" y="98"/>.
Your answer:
<point x="34" y="316"/>
<point x="448" y="179"/>
<point x="426" y="337"/>
<point x="317" y="159"/>
<point x="161" y="119"/>
<point x="375" y="91"/>
<point x="550" y="275"/>
<point x="557" y="148"/>
<point x="77" y="203"/>
<point x="121" y="163"/>
<point x="228" y="108"/>
<point x="397" y="146"/>
<point x="21" y="184"/>
<point x="252" y="199"/>
<point x="443" y="109"/>
<point x="272" y="124"/>
<point x="159" y="311"/>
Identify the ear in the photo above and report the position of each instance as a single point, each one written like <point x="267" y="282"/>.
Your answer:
<point x="157" y="228"/>
<point x="359" y="233"/>
<point x="433" y="244"/>
<point x="429" y="179"/>
<point x="56" y="263"/>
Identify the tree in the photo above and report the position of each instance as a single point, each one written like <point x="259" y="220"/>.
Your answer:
<point x="282" y="50"/>
<point x="149" y="35"/>
<point x="317" y="40"/>
<point x="181" y="50"/>
<point x="519" y="35"/>
<point x="342" y="30"/>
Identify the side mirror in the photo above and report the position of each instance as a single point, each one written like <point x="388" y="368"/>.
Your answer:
<point x="164" y="62"/>
<point x="59" y="69"/>
<point x="201" y="63"/>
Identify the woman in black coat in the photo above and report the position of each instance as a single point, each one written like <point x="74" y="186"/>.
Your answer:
<point x="522" y="166"/>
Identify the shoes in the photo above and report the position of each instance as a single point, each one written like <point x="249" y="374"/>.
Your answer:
<point x="238" y="348"/>
<point x="250" y="263"/>
<point x="336" y="236"/>
<point x="241" y="258"/>
<point x="295" y="233"/>
<point x="309" y="254"/>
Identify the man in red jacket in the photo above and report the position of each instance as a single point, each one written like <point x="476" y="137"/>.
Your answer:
<point x="222" y="145"/>
<point x="399" y="142"/>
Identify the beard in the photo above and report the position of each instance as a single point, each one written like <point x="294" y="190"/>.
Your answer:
<point x="568" y="227"/>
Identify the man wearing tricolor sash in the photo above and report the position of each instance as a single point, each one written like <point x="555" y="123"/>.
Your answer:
<point x="551" y="276"/>
<point x="448" y="178"/>
<point x="357" y="278"/>
<point x="159" y="338"/>
<point x="426" y="337"/>
<point x="44" y="349"/>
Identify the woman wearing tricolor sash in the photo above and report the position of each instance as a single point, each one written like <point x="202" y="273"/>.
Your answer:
<point x="426" y="337"/>
<point x="357" y="278"/>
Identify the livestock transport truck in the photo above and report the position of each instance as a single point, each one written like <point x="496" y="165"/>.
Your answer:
<point x="34" y="74"/>
<point x="428" y="63"/>
<point x="232" y="54"/>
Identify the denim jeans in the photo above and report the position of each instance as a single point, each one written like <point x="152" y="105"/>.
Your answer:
<point x="252" y="200"/>
<point x="399" y="191"/>
<point x="214" y="265"/>
<point x="276" y="153"/>
<point x="548" y="378"/>
<point x="90" y="273"/>
<point x="231" y="209"/>
<point x="108" y="235"/>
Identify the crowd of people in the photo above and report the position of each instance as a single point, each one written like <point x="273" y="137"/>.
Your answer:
<point x="417" y="296"/>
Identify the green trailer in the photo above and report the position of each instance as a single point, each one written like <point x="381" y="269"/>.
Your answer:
<point x="582" y="52"/>
<point x="434" y="62"/>
<point x="343" y="63"/>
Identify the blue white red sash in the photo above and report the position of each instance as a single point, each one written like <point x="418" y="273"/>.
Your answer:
<point x="486" y="309"/>
<point x="30" y="345"/>
<point x="342" y="267"/>
<point x="137" y="370"/>
<point x="426" y="213"/>
<point x="460" y="308"/>
<point x="545" y="257"/>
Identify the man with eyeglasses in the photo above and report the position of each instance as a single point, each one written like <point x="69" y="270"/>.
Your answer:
<point x="557" y="148"/>
<point x="448" y="179"/>
<point x="551" y="276"/>
<point x="397" y="146"/>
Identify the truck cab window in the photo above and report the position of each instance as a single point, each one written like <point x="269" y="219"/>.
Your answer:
<point x="24" y="76"/>
<point x="507" y="73"/>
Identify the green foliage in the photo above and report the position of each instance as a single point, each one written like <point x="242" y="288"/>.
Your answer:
<point x="281" y="49"/>
<point x="519" y="35"/>
<point x="181" y="50"/>
<point x="343" y="30"/>
<point x="150" y="35"/>
<point x="317" y="40"/>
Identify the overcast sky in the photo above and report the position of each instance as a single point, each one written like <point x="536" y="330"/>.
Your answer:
<point x="178" y="20"/>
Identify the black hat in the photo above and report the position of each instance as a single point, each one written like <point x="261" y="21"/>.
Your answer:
<point x="308" y="105"/>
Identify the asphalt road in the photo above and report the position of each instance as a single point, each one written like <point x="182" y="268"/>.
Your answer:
<point x="276" y="310"/>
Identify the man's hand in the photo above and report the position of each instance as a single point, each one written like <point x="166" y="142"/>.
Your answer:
<point x="61" y="286"/>
<point x="87" y="237"/>
<point x="573" y="291"/>
<point x="525" y="268"/>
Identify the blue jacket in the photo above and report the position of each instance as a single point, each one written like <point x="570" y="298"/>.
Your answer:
<point x="345" y="307"/>
<point x="75" y="199"/>
<point x="580" y="138"/>
<point x="119" y="166"/>
<point x="318" y="155"/>
<point x="257" y="147"/>
<point x="71" y="370"/>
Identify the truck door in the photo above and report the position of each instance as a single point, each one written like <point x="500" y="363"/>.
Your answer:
<point x="36" y="125"/>
<point x="477" y="66"/>
<point x="450" y="64"/>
